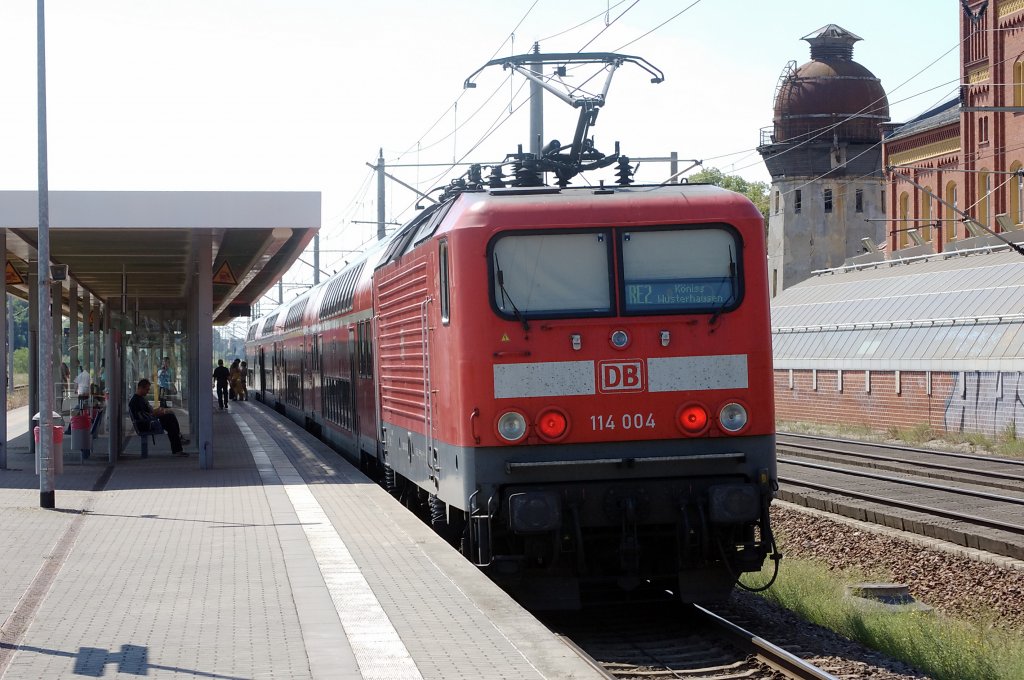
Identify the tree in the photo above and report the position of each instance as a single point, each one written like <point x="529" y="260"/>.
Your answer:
<point x="19" y="312"/>
<point x="757" y="192"/>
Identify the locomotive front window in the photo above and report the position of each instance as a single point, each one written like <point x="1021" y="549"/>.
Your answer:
<point x="680" y="270"/>
<point x="551" y="274"/>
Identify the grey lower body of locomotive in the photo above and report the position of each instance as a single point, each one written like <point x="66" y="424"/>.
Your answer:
<point x="691" y="514"/>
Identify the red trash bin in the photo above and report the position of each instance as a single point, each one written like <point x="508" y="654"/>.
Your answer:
<point x="58" y="448"/>
<point x="81" y="437"/>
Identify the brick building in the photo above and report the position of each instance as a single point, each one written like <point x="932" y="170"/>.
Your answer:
<point x="966" y="151"/>
<point x="929" y="329"/>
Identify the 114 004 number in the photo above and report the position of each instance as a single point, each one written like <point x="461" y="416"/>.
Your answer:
<point x="627" y="421"/>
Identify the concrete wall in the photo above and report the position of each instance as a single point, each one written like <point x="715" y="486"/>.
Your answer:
<point x="799" y="243"/>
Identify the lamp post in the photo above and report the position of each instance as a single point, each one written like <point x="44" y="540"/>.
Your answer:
<point x="44" y="363"/>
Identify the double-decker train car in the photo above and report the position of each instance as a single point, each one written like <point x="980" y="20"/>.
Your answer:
<point x="575" y="383"/>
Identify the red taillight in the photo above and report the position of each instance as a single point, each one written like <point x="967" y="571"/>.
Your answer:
<point x="552" y="424"/>
<point x="693" y="418"/>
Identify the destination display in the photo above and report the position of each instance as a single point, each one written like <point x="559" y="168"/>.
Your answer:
<point x="703" y="293"/>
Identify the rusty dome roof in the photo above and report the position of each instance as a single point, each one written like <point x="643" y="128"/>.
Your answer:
<point x="830" y="89"/>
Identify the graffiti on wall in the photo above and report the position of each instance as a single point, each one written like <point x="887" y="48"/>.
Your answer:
<point x="988" y="403"/>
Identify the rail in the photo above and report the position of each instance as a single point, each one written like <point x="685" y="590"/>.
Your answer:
<point x="790" y="665"/>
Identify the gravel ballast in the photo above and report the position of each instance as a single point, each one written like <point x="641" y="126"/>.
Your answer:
<point x="951" y="582"/>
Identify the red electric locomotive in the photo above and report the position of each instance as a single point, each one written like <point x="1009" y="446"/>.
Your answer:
<point x="575" y="383"/>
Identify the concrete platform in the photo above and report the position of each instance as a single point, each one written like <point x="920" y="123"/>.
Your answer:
<point x="283" y="562"/>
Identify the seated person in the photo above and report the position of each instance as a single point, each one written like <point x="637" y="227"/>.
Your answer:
<point x="143" y="414"/>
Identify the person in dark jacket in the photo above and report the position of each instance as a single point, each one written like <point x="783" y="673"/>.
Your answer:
<point x="147" y="420"/>
<point x="220" y="378"/>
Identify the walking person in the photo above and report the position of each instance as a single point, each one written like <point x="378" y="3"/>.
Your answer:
<point x="165" y="382"/>
<point x="84" y="386"/>
<point x="220" y="379"/>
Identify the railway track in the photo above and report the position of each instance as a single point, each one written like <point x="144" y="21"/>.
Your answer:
<point x="1001" y="473"/>
<point x="674" y="641"/>
<point x="975" y="501"/>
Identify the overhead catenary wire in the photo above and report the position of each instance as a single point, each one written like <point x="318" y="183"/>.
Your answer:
<point x="463" y="92"/>
<point x="582" y="23"/>
<point x="498" y="123"/>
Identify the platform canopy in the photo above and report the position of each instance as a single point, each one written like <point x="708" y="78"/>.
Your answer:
<point x="141" y="244"/>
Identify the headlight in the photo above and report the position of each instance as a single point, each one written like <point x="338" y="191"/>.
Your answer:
<point x="732" y="417"/>
<point x="733" y="504"/>
<point x="512" y="426"/>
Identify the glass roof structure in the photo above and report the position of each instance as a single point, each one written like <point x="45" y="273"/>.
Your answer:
<point x="946" y="312"/>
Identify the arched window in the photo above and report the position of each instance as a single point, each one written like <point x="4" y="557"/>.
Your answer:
<point x="924" y="227"/>
<point x="1016" y="194"/>
<point x="985" y="199"/>
<point x="1018" y="84"/>
<point x="951" y="217"/>
<point x="904" y="224"/>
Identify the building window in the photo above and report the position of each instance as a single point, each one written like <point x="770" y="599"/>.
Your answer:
<point x="903" y="225"/>
<point x="985" y="187"/>
<point x="859" y="200"/>
<point x="828" y="200"/>
<point x="925" y="226"/>
<point x="797" y="200"/>
<point x="1018" y="84"/>
<point x="1016" y="195"/>
<point x="776" y="202"/>
<point x="951" y="213"/>
<point x="983" y="130"/>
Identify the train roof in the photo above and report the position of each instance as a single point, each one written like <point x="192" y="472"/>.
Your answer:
<point x="532" y="206"/>
<point x="703" y="201"/>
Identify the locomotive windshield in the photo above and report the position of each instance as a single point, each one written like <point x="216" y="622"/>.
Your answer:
<point x="552" y="274"/>
<point x="663" y="271"/>
<point x="679" y="270"/>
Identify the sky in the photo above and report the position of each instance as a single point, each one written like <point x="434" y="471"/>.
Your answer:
<point x="299" y="95"/>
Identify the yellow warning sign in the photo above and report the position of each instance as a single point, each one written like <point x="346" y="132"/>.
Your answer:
<point x="224" y="275"/>
<point x="11" y="275"/>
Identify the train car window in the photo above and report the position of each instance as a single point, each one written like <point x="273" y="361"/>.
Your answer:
<point x="341" y="292"/>
<point x="428" y="228"/>
<point x="363" y="339"/>
<point x="370" y="349"/>
<point x="551" y="274"/>
<point x="680" y="270"/>
<point x="295" y="313"/>
<point x="404" y="234"/>
<point x="442" y="266"/>
<point x="268" y="325"/>
<point x="349" y="290"/>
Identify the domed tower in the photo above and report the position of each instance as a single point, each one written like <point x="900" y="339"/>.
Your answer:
<point x="824" y="154"/>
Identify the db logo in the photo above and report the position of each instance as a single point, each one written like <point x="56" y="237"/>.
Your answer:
<point x="622" y="376"/>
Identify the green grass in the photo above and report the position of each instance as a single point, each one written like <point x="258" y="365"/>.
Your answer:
<point x="944" y="648"/>
<point x="852" y="431"/>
